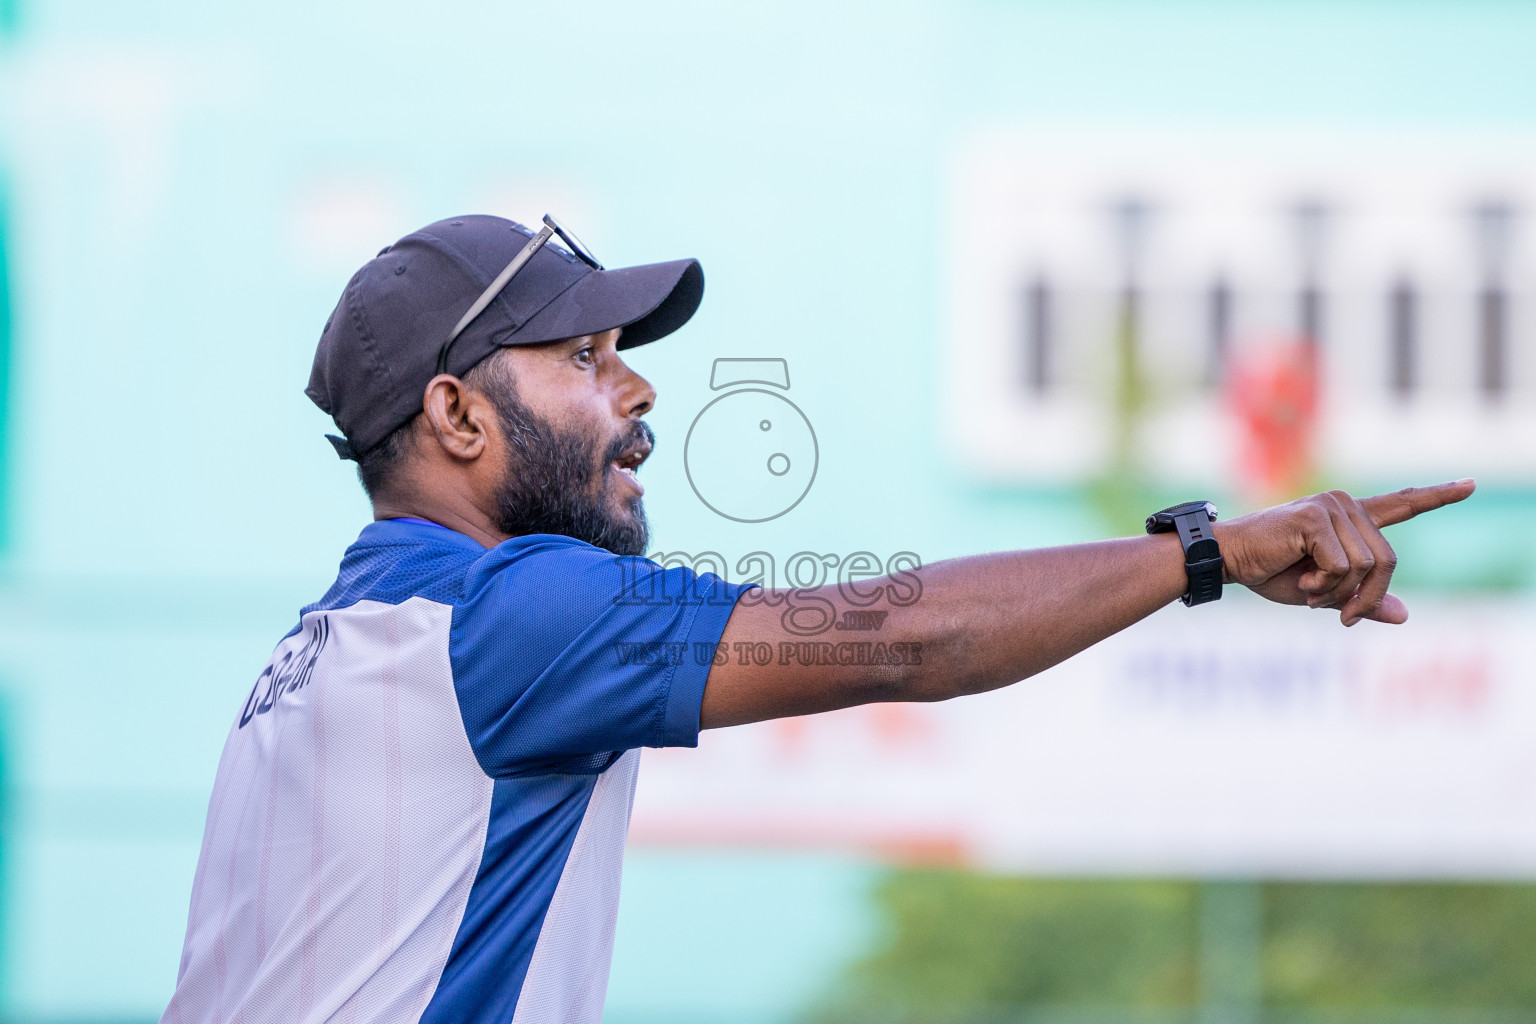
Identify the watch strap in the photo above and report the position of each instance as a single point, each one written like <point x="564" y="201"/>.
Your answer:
<point x="1203" y="563"/>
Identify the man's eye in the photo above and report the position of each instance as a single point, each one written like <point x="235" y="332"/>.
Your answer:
<point x="584" y="356"/>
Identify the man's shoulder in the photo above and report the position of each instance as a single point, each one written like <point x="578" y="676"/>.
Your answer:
<point x="543" y="559"/>
<point x="393" y="561"/>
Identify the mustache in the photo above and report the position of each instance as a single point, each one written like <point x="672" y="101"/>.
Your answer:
<point x="551" y="484"/>
<point x="639" y="433"/>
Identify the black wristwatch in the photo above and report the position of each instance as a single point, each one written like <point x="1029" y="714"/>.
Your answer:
<point x="1202" y="555"/>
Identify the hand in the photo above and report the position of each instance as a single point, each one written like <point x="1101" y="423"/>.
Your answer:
<point x="1327" y="551"/>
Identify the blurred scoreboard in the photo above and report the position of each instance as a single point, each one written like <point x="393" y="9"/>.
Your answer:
<point x="1219" y="312"/>
<point x="1117" y="288"/>
<point x="1233" y="740"/>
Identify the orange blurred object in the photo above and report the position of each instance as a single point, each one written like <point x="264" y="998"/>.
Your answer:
<point x="1272" y="390"/>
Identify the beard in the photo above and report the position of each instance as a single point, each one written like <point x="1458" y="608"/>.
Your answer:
<point x="558" y="481"/>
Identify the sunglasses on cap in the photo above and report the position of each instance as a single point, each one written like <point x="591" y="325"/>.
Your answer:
<point x="551" y="228"/>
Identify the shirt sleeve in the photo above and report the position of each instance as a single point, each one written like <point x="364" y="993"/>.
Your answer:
<point x="564" y="654"/>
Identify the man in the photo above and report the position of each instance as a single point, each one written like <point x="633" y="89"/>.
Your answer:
<point x="421" y="807"/>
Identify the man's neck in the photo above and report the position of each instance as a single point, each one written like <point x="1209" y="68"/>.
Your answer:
<point x="470" y="522"/>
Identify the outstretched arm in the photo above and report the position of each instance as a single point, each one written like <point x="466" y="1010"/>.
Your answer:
<point x="990" y="620"/>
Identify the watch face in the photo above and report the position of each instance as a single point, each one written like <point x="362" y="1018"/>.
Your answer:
<point x="1190" y="506"/>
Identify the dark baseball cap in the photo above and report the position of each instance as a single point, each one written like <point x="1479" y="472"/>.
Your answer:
<point x="381" y="345"/>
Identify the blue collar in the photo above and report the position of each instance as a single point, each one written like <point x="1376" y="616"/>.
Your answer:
<point x="413" y="529"/>
<point x="414" y="519"/>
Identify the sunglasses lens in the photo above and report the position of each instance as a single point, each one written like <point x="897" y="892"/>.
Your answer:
<point x="580" y="251"/>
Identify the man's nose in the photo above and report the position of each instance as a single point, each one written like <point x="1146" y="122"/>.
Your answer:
<point x="638" y="397"/>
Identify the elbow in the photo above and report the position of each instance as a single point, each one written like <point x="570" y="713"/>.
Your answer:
<point x="919" y="682"/>
<point x="934" y="677"/>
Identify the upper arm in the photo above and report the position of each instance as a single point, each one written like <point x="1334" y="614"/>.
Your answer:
<point x="572" y="653"/>
<point x="795" y="652"/>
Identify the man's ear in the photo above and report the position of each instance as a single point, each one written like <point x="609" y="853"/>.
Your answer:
<point x="458" y="417"/>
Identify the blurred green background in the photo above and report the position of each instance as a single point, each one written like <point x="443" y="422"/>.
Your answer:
<point x="959" y="946"/>
<point x="184" y="189"/>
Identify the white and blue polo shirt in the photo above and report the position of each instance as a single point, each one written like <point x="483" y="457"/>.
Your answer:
<point x="420" y="811"/>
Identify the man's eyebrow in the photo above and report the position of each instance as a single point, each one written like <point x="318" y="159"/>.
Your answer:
<point x="587" y="341"/>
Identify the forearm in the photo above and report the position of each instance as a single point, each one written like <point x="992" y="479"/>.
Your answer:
<point x="991" y="620"/>
<point x="983" y="622"/>
<point x="978" y="623"/>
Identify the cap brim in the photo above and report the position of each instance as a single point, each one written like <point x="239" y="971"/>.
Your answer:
<point x="649" y="302"/>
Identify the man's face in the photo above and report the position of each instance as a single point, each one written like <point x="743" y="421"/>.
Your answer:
<point x="570" y="421"/>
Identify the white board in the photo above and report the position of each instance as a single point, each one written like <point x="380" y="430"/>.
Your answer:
<point x="1230" y="739"/>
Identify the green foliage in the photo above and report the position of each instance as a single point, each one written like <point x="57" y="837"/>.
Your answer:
<point x="959" y="943"/>
<point x="961" y="946"/>
<point x="1358" y="945"/>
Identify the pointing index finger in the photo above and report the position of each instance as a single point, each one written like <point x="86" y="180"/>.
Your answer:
<point x="1387" y="509"/>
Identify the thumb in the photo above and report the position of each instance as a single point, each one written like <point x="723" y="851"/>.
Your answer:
<point x="1391" y="610"/>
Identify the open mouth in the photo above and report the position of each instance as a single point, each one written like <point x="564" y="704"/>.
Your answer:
<point x="628" y="462"/>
